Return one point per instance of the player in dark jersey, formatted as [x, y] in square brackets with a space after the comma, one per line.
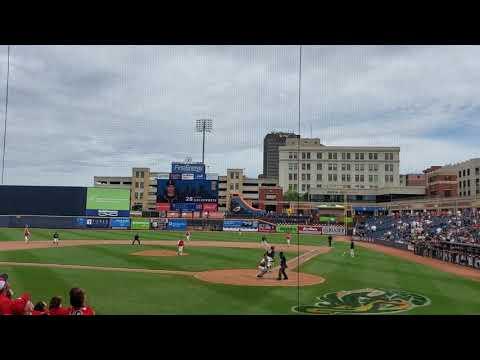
[136, 238]
[283, 266]
[56, 238]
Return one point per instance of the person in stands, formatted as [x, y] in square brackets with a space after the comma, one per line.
[78, 303]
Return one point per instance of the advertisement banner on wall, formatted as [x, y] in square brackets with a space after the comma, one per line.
[328, 219]
[173, 214]
[214, 215]
[186, 207]
[107, 213]
[177, 224]
[306, 229]
[98, 223]
[81, 222]
[209, 207]
[333, 230]
[143, 224]
[120, 223]
[287, 228]
[162, 207]
[158, 223]
[184, 168]
[262, 227]
[240, 225]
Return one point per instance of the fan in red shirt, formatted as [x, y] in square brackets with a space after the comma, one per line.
[40, 309]
[78, 306]
[180, 246]
[22, 305]
[5, 296]
[55, 307]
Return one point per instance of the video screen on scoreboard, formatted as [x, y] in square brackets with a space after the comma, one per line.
[187, 191]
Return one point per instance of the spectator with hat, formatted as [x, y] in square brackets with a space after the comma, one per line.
[5, 296]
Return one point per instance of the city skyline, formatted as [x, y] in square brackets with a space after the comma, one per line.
[80, 111]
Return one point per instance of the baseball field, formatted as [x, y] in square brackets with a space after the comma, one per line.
[217, 275]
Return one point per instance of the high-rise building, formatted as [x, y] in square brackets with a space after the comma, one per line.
[271, 142]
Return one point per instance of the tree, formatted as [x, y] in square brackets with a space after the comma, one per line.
[291, 195]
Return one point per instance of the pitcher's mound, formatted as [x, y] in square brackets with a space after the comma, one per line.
[247, 277]
[157, 253]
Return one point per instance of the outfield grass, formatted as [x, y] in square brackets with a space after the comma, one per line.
[16, 234]
[141, 293]
[198, 259]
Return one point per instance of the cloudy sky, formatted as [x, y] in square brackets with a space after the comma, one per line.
[79, 111]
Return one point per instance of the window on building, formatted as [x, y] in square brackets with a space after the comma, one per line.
[232, 175]
[290, 186]
[290, 155]
[290, 166]
[370, 156]
[141, 185]
[375, 167]
[370, 178]
[304, 177]
[319, 186]
[319, 155]
[349, 167]
[468, 172]
[344, 167]
[460, 184]
[330, 177]
[295, 177]
[464, 172]
[308, 177]
[375, 178]
[304, 156]
[375, 156]
[386, 178]
[141, 196]
[348, 156]
[335, 178]
[237, 175]
[303, 187]
[370, 167]
[386, 167]
[308, 166]
[319, 177]
[468, 192]
[330, 166]
[344, 156]
[237, 186]
[357, 167]
[330, 156]
[357, 178]
[468, 182]
[391, 167]
[308, 156]
[362, 178]
[357, 156]
[464, 183]
[295, 187]
[304, 166]
[231, 186]
[348, 177]
[335, 167]
[459, 174]
[136, 185]
[391, 178]
[362, 167]
[387, 156]
[362, 156]
[290, 177]
[344, 178]
[319, 166]
[477, 171]
[335, 156]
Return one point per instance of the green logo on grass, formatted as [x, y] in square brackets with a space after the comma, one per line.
[364, 301]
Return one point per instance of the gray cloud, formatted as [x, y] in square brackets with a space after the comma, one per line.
[80, 111]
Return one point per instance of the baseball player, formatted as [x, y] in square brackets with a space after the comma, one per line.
[262, 266]
[56, 237]
[352, 249]
[136, 238]
[264, 241]
[270, 258]
[187, 235]
[288, 237]
[180, 246]
[283, 266]
[27, 234]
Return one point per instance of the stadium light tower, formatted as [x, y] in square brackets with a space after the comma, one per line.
[203, 126]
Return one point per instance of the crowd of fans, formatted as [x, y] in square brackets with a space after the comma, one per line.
[9, 305]
[450, 236]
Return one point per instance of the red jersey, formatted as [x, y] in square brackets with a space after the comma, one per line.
[37, 313]
[5, 305]
[58, 312]
[289, 236]
[181, 242]
[84, 311]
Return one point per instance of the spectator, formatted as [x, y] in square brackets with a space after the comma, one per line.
[78, 301]
[22, 305]
[40, 308]
[5, 296]
[55, 307]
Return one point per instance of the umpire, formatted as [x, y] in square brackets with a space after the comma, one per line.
[136, 239]
[329, 240]
[283, 266]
